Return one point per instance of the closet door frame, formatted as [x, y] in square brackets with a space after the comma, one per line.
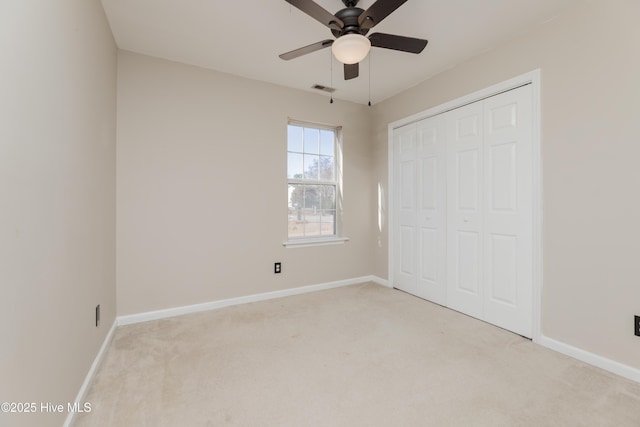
[531, 78]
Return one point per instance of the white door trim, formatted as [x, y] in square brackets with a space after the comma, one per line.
[532, 78]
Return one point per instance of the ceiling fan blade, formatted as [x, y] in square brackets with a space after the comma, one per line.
[377, 12]
[318, 13]
[351, 71]
[307, 49]
[401, 43]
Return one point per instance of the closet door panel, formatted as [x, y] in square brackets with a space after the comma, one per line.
[464, 153]
[508, 296]
[431, 212]
[405, 209]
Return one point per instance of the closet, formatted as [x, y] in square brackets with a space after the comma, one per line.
[463, 209]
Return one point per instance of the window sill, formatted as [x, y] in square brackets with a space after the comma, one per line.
[303, 243]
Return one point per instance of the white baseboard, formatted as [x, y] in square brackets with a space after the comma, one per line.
[178, 311]
[380, 281]
[92, 372]
[591, 358]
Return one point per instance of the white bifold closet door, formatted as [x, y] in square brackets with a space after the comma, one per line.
[463, 208]
[420, 208]
[405, 208]
[508, 210]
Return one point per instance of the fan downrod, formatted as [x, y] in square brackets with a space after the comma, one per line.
[350, 3]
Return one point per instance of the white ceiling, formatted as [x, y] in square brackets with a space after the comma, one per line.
[245, 37]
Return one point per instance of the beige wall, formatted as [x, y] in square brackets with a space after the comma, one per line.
[590, 153]
[201, 187]
[57, 198]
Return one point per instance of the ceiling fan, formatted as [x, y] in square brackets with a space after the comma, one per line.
[349, 26]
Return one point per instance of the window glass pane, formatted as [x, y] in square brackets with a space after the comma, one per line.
[326, 168]
[328, 223]
[312, 198]
[296, 219]
[312, 225]
[312, 210]
[294, 166]
[310, 167]
[327, 144]
[328, 197]
[328, 214]
[311, 141]
[294, 138]
[296, 196]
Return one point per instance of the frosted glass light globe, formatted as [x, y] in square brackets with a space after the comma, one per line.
[351, 48]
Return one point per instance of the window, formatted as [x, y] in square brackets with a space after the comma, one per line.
[313, 190]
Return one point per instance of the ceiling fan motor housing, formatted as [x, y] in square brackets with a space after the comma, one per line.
[349, 16]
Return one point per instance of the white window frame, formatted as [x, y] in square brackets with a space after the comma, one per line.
[337, 238]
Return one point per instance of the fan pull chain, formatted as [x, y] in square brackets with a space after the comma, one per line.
[331, 68]
[369, 78]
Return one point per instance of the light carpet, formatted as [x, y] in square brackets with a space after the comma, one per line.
[361, 355]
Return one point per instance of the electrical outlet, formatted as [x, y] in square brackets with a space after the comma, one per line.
[97, 315]
[636, 322]
[277, 268]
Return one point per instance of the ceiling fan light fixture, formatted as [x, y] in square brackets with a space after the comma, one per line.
[351, 48]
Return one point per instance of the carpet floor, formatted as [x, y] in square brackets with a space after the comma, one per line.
[361, 355]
